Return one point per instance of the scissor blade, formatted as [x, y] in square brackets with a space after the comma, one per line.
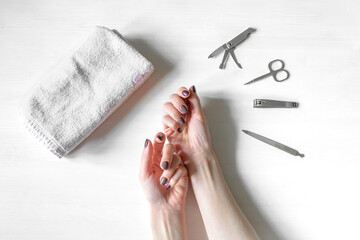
[217, 51]
[274, 143]
[240, 38]
[258, 78]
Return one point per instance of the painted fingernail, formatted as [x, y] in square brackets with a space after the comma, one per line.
[183, 109]
[163, 181]
[181, 121]
[179, 130]
[146, 143]
[185, 93]
[165, 165]
[194, 89]
[167, 186]
[160, 137]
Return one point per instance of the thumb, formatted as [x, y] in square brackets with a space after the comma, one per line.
[194, 101]
[146, 161]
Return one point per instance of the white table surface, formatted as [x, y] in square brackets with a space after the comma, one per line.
[94, 192]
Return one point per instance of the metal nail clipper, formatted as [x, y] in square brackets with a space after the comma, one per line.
[267, 103]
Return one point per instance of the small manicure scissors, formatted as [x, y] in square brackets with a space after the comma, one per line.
[274, 72]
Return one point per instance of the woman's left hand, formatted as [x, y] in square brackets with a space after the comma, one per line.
[163, 176]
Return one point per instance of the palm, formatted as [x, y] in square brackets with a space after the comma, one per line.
[158, 196]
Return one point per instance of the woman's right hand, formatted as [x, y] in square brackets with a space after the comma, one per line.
[186, 128]
[223, 219]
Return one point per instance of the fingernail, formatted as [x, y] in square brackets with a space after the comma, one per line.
[194, 89]
[185, 93]
[165, 165]
[146, 143]
[183, 109]
[160, 137]
[179, 130]
[163, 181]
[167, 187]
[181, 121]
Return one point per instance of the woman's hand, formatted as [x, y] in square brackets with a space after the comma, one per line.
[186, 128]
[163, 177]
[165, 188]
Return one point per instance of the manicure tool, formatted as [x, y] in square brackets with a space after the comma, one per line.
[274, 144]
[229, 47]
[267, 103]
[273, 72]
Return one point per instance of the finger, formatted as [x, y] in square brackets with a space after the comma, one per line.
[159, 141]
[178, 103]
[167, 174]
[174, 113]
[180, 172]
[167, 156]
[194, 101]
[146, 161]
[183, 92]
[168, 132]
[170, 123]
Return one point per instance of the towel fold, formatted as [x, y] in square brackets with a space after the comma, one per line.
[81, 92]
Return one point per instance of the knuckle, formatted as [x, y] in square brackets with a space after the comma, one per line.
[174, 125]
[166, 105]
[184, 169]
[173, 97]
[180, 171]
[164, 118]
[181, 88]
[169, 148]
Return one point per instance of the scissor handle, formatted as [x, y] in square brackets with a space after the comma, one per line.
[275, 72]
[276, 78]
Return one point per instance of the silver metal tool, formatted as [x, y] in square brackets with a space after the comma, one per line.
[229, 47]
[267, 103]
[274, 144]
[274, 72]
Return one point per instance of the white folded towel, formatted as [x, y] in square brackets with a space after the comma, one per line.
[81, 92]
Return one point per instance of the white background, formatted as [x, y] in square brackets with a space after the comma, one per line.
[94, 192]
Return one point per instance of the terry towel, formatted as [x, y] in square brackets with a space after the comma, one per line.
[81, 92]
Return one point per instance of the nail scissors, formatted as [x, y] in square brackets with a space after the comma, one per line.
[273, 72]
[229, 47]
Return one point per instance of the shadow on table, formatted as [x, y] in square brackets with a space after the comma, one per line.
[225, 141]
[162, 68]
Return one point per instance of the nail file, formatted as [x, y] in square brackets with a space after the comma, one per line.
[274, 144]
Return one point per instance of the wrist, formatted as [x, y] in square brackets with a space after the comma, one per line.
[167, 224]
[165, 213]
[204, 167]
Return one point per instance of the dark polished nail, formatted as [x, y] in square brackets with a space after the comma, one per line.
[182, 121]
[165, 165]
[167, 187]
[146, 143]
[160, 137]
[183, 109]
[185, 93]
[163, 181]
[179, 130]
[194, 89]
